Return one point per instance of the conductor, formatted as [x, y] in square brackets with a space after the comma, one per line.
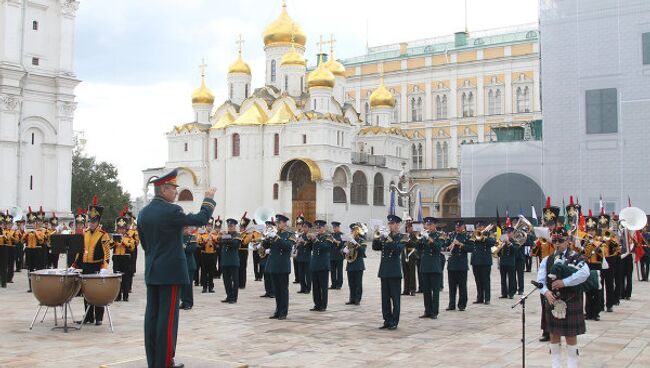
[160, 227]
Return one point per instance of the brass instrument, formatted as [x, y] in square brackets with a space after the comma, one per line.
[497, 248]
[480, 235]
[522, 228]
[607, 235]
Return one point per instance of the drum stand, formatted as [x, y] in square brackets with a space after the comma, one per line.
[108, 312]
[64, 308]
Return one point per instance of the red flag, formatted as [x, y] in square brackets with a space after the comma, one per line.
[581, 222]
[508, 223]
[638, 250]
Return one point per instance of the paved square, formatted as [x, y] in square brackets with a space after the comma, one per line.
[215, 334]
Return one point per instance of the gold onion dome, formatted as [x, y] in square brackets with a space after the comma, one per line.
[281, 30]
[202, 95]
[335, 67]
[381, 97]
[239, 66]
[321, 77]
[292, 58]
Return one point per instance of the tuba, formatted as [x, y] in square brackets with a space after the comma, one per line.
[522, 228]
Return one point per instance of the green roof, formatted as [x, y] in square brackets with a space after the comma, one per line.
[446, 44]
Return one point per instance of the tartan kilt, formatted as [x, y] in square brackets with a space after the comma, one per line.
[573, 324]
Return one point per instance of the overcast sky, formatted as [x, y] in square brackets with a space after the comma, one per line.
[138, 60]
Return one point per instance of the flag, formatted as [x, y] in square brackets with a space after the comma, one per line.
[600, 203]
[498, 225]
[638, 250]
[629, 203]
[508, 223]
[391, 207]
[418, 207]
[581, 222]
[567, 226]
[534, 216]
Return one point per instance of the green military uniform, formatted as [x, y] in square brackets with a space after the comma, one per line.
[355, 268]
[336, 261]
[457, 269]
[187, 293]
[279, 267]
[429, 248]
[507, 256]
[302, 259]
[482, 266]
[160, 227]
[390, 273]
[319, 266]
[230, 263]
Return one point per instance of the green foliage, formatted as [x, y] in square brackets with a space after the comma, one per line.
[89, 178]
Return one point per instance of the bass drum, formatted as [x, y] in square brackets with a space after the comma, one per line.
[54, 287]
[100, 290]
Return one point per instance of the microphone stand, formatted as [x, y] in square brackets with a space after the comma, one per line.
[522, 302]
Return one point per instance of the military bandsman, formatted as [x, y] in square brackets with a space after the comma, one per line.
[243, 249]
[189, 248]
[457, 268]
[123, 246]
[322, 247]
[481, 261]
[391, 243]
[336, 258]
[279, 264]
[409, 259]
[302, 256]
[430, 245]
[354, 252]
[229, 244]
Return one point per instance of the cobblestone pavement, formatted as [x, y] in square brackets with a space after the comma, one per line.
[215, 334]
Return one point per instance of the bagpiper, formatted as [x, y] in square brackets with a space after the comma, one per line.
[542, 249]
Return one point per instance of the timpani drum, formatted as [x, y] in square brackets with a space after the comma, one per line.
[53, 288]
[100, 290]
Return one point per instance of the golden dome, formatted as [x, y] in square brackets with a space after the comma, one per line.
[335, 67]
[202, 95]
[239, 66]
[293, 58]
[381, 97]
[321, 77]
[282, 30]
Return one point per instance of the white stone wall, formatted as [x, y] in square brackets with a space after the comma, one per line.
[592, 45]
[38, 100]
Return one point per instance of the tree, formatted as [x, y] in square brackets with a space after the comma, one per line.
[90, 178]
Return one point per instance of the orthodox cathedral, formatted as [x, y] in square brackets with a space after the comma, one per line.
[293, 145]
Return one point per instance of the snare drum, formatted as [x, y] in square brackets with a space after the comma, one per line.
[100, 290]
[54, 287]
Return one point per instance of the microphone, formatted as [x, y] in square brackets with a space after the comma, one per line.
[538, 285]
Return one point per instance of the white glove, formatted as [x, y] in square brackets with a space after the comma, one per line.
[268, 251]
[104, 271]
[354, 242]
[272, 234]
[258, 246]
[385, 233]
[346, 250]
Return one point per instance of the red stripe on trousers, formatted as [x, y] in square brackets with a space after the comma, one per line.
[170, 327]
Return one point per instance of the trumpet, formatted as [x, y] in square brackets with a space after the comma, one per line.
[607, 235]
[380, 232]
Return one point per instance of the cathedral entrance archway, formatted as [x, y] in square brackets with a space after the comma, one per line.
[303, 174]
[449, 203]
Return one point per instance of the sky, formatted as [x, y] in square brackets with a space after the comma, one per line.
[138, 60]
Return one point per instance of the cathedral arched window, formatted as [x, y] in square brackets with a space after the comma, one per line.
[286, 82]
[438, 107]
[276, 144]
[378, 190]
[497, 102]
[302, 79]
[235, 145]
[445, 155]
[276, 191]
[444, 107]
[338, 195]
[246, 91]
[216, 148]
[185, 196]
[439, 155]
[467, 103]
[230, 91]
[359, 189]
[414, 111]
[272, 70]
[419, 109]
